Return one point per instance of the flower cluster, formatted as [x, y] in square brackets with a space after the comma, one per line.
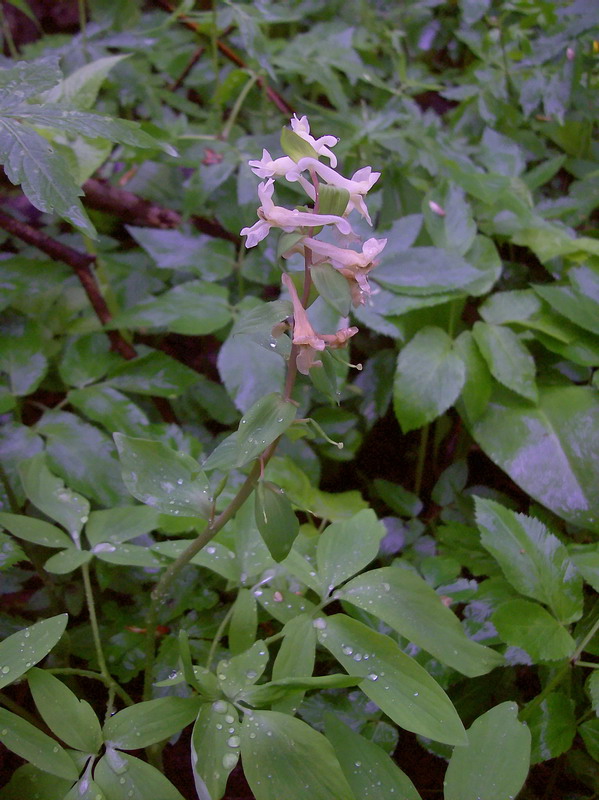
[311, 174]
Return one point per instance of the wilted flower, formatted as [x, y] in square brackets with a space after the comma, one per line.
[305, 337]
[353, 265]
[272, 216]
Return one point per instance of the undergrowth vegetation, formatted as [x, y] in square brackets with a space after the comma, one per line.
[302, 503]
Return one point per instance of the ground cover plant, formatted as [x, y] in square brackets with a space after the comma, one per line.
[302, 501]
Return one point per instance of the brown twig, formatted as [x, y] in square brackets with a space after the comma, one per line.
[198, 53]
[81, 265]
[135, 210]
[272, 95]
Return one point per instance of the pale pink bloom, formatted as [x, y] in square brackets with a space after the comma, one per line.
[305, 337]
[272, 216]
[358, 185]
[436, 208]
[353, 265]
[321, 145]
[268, 167]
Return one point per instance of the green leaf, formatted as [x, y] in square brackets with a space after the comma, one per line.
[136, 780]
[265, 421]
[22, 358]
[67, 561]
[71, 719]
[248, 371]
[169, 481]
[400, 500]
[572, 304]
[295, 658]
[429, 378]
[112, 409]
[345, 548]
[23, 6]
[367, 768]
[185, 250]
[236, 673]
[128, 555]
[477, 388]
[34, 530]
[287, 758]
[494, 764]
[34, 746]
[21, 650]
[530, 627]
[81, 87]
[275, 519]
[455, 229]
[86, 359]
[244, 622]
[422, 271]
[214, 748]
[332, 200]
[587, 563]
[194, 308]
[150, 722]
[590, 736]
[508, 359]
[286, 689]
[117, 525]
[215, 556]
[552, 726]
[29, 781]
[402, 599]
[533, 560]
[153, 373]
[333, 287]
[48, 494]
[395, 682]
[549, 451]
[294, 146]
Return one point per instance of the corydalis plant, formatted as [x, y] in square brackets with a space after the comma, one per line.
[329, 192]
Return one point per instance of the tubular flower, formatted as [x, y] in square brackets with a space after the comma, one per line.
[272, 216]
[268, 167]
[321, 145]
[352, 265]
[358, 185]
[305, 337]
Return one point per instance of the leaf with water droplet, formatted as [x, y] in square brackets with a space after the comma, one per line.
[141, 781]
[265, 421]
[27, 647]
[152, 471]
[38, 748]
[275, 519]
[212, 757]
[150, 722]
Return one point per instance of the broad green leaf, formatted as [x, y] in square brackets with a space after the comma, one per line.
[117, 525]
[28, 78]
[477, 388]
[71, 719]
[235, 673]
[587, 563]
[21, 650]
[275, 519]
[572, 304]
[333, 287]
[258, 322]
[265, 421]
[85, 789]
[251, 553]
[86, 359]
[10, 552]
[225, 455]
[214, 748]
[128, 555]
[83, 456]
[109, 407]
[81, 87]
[494, 764]
[136, 781]
[507, 358]
[552, 726]
[367, 768]
[244, 622]
[345, 548]
[283, 605]
[34, 530]
[530, 627]
[49, 494]
[429, 378]
[533, 560]
[399, 499]
[184, 250]
[453, 230]
[592, 687]
[31, 782]
[38, 748]
[22, 358]
[548, 450]
[150, 722]
[295, 658]
[169, 481]
[153, 373]
[286, 758]
[294, 146]
[248, 371]
[67, 561]
[402, 599]
[194, 308]
[214, 556]
[287, 688]
[590, 736]
[422, 271]
[393, 680]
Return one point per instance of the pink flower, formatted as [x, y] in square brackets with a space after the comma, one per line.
[268, 167]
[321, 145]
[305, 337]
[353, 265]
[272, 216]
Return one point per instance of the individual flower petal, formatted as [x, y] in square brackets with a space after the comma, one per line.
[268, 167]
[353, 265]
[302, 128]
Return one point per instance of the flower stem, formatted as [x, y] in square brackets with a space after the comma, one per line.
[109, 682]
[421, 459]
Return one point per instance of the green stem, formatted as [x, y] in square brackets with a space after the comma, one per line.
[82, 21]
[421, 459]
[237, 106]
[219, 635]
[12, 498]
[580, 649]
[590, 664]
[109, 682]
[8, 34]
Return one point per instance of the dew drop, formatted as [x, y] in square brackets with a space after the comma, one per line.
[229, 719]
[5, 670]
[347, 650]
[211, 550]
[373, 677]
[233, 741]
[229, 760]
[220, 706]
[320, 623]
